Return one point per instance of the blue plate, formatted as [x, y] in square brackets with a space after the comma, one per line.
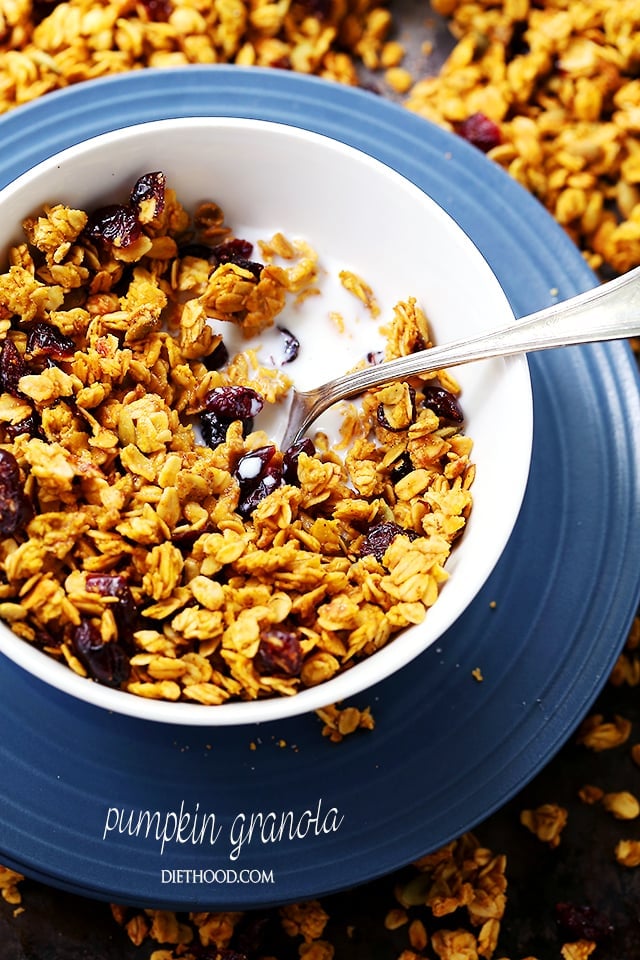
[154, 815]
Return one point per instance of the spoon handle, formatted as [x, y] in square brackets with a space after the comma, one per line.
[610, 311]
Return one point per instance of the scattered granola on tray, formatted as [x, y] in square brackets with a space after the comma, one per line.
[152, 536]
[548, 90]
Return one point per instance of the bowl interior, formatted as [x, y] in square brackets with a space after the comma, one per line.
[358, 215]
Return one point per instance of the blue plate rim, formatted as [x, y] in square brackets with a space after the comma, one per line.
[536, 262]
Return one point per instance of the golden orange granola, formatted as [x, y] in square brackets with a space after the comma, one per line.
[559, 81]
[152, 538]
[10, 881]
[598, 734]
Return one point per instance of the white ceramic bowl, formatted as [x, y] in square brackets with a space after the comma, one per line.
[358, 214]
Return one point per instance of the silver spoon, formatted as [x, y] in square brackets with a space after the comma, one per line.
[610, 311]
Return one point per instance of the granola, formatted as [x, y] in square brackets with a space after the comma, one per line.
[152, 537]
[547, 822]
[558, 82]
[557, 79]
[461, 874]
[598, 734]
[622, 805]
[9, 885]
[80, 40]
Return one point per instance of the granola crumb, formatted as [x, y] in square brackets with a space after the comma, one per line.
[546, 822]
[396, 918]
[627, 853]
[622, 805]
[590, 794]
[398, 79]
[580, 950]
[599, 734]
[10, 881]
[340, 722]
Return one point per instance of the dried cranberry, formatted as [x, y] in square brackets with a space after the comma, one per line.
[45, 638]
[228, 250]
[402, 466]
[270, 481]
[213, 429]
[239, 252]
[115, 223]
[480, 131]
[381, 536]
[418, 343]
[185, 537]
[291, 345]
[105, 662]
[291, 457]
[224, 405]
[252, 266]
[42, 8]
[518, 44]
[45, 340]
[217, 358]
[259, 473]
[318, 8]
[157, 10]
[124, 611]
[281, 63]
[200, 250]
[442, 402]
[15, 506]
[234, 402]
[280, 651]
[252, 465]
[31, 425]
[12, 367]
[149, 188]
[583, 922]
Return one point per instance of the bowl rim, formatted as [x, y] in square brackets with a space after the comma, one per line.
[384, 662]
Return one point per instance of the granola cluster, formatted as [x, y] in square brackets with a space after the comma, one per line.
[10, 881]
[151, 536]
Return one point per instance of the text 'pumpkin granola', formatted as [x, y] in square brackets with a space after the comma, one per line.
[151, 537]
